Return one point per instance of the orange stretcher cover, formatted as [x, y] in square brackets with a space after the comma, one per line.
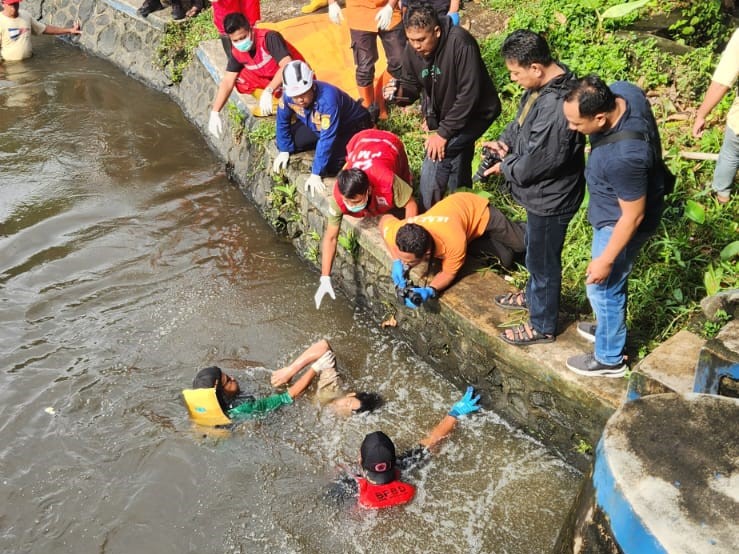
[326, 47]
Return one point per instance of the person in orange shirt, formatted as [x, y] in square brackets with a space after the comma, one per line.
[444, 232]
[368, 19]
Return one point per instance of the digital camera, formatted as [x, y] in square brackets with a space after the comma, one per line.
[407, 292]
[489, 159]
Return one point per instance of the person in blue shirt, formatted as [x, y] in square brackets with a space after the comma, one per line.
[314, 114]
[626, 180]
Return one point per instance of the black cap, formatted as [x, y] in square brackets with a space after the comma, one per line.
[207, 378]
[378, 457]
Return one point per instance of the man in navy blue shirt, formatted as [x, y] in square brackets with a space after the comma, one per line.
[625, 178]
[326, 118]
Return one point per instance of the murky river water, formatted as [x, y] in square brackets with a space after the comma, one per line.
[127, 262]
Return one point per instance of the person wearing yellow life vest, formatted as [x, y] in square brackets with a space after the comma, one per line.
[368, 20]
[380, 485]
[375, 180]
[254, 67]
[217, 399]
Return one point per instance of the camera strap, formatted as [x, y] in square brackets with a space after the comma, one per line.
[669, 177]
[530, 101]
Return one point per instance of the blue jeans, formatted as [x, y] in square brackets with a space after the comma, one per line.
[727, 164]
[608, 299]
[545, 236]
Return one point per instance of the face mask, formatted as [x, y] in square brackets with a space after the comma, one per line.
[244, 45]
[357, 208]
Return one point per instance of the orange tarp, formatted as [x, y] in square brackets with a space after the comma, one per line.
[326, 47]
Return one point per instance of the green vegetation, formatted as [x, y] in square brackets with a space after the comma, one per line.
[582, 446]
[694, 253]
[175, 51]
[262, 134]
[349, 242]
[713, 326]
[283, 199]
[237, 119]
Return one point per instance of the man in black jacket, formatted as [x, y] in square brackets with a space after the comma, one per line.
[442, 64]
[543, 163]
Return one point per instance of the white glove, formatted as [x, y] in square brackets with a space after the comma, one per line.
[334, 13]
[215, 127]
[324, 289]
[265, 102]
[327, 361]
[314, 184]
[280, 162]
[383, 17]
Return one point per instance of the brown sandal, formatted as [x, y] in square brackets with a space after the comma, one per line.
[524, 335]
[512, 301]
[193, 11]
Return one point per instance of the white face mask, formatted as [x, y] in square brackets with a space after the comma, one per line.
[244, 45]
[357, 207]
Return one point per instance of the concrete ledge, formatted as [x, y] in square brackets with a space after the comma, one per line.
[667, 475]
[669, 368]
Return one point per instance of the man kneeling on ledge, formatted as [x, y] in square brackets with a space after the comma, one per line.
[445, 232]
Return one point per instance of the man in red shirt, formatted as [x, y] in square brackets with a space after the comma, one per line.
[255, 67]
[375, 179]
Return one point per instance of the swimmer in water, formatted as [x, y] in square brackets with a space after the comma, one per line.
[380, 484]
[319, 358]
[340, 402]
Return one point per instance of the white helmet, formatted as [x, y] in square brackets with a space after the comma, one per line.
[297, 78]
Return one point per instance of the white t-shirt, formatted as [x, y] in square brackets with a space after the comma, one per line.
[15, 35]
[726, 74]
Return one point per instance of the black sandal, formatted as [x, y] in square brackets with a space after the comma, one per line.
[524, 335]
[512, 301]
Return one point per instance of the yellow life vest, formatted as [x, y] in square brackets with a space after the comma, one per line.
[203, 406]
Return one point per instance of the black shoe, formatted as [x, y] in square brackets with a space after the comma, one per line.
[178, 12]
[149, 6]
[586, 329]
[586, 364]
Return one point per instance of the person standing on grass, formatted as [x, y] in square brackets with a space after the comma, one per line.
[728, 159]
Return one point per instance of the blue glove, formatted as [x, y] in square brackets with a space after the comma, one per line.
[398, 274]
[424, 292]
[466, 405]
[454, 16]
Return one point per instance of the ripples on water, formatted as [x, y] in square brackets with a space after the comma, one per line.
[127, 262]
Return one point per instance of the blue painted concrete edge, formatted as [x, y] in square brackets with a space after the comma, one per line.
[131, 11]
[709, 372]
[627, 528]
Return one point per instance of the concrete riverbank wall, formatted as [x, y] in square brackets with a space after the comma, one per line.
[459, 334]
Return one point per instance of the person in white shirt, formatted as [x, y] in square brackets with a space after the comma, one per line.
[16, 28]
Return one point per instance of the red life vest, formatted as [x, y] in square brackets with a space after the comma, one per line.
[381, 155]
[259, 70]
[383, 496]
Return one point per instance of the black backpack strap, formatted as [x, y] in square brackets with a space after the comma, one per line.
[620, 135]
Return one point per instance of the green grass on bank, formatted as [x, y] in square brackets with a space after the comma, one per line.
[176, 49]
